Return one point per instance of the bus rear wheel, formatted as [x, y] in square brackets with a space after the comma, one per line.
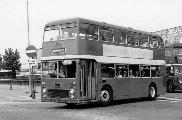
[152, 92]
[170, 87]
[106, 96]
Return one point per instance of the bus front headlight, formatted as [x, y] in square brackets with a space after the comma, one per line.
[44, 90]
[72, 90]
[43, 83]
[72, 96]
[44, 95]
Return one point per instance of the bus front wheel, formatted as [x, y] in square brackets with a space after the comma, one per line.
[152, 92]
[106, 96]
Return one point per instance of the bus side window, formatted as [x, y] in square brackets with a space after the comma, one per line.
[121, 71]
[134, 71]
[155, 71]
[107, 71]
[118, 73]
[145, 71]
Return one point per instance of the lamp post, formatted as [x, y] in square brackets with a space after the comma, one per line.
[28, 23]
[31, 52]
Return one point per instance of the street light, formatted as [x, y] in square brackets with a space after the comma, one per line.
[31, 52]
[28, 23]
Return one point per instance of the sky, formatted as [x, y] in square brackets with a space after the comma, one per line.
[145, 15]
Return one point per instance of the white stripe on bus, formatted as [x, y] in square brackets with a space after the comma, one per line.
[109, 59]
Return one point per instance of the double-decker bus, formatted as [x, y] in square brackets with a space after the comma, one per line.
[173, 77]
[173, 67]
[86, 61]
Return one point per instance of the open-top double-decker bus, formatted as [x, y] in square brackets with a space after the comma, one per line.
[88, 61]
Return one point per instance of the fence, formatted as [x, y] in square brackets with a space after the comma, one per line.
[18, 82]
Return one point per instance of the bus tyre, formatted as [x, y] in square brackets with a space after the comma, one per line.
[170, 87]
[106, 96]
[152, 92]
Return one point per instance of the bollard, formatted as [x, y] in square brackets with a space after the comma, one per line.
[33, 94]
[10, 84]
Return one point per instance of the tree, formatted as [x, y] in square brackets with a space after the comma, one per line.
[1, 62]
[11, 60]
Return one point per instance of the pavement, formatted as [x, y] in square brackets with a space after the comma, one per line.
[19, 93]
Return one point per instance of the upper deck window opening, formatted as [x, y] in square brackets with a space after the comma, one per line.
[88, 31]
[106, 34]
[60, 32]
[144, 41]
[136, 39]
[130, 39]
[116, 35]
[154, 42]
[119, 36]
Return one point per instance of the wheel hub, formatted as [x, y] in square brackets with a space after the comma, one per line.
[152, 92]
[105, 95]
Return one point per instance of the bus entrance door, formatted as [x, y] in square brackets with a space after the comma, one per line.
[88, 80]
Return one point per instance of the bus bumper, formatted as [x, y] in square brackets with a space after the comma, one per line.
[75, 101]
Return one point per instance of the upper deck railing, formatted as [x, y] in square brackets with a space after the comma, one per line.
[99, 31]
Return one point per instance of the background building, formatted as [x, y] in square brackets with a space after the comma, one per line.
[173, 53]
[173, 44]
[172, 35]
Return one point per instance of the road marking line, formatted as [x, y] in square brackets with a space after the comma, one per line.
[174, 101]
[171, 99]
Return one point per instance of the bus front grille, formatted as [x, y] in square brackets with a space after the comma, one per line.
[53, 93]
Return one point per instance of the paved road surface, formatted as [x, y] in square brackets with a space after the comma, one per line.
[14, 107]
[164, 108]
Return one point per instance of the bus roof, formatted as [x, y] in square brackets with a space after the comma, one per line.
[77, 19]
